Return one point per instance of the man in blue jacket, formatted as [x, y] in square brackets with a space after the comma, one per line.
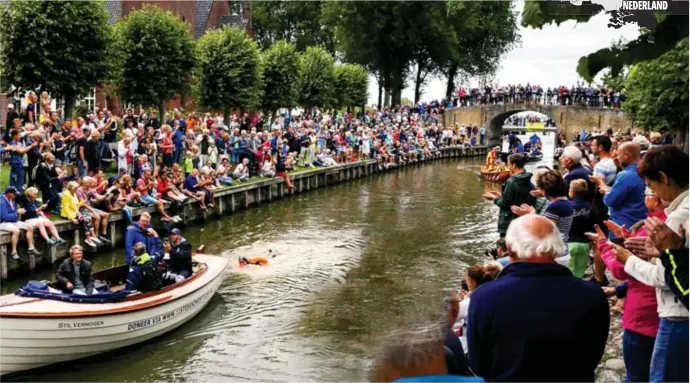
[144, 233]
[9, 222]
[536, 322]
[625, 198]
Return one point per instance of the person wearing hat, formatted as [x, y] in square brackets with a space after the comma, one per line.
[178, 257]
[9, 222]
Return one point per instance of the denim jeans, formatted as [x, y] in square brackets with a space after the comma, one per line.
[637, 354]
[127, 212]
[17, 176]
[670, 356]
[81, 168]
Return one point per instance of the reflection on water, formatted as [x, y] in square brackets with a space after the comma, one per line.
[357, 262]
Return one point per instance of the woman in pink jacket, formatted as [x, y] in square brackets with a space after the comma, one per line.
[640, 316]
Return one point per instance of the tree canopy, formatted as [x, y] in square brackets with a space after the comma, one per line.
[351, 84]
[298, 22]
[229, 70]
[280, 64]
[657, 92]
[315, 78]
[157, 56]
[666, 29]
[449, 37]
[59, 46]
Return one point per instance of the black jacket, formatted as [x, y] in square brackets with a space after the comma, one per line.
[537, 323]
[66, 274]
[180, 257]
[676, 272]
[46, 177]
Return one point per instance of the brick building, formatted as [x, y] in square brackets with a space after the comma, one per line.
[200, 16]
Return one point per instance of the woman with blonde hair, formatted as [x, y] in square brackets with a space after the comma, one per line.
[70, 211]
[34, 216]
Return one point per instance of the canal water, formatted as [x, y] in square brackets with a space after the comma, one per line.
[358, 262]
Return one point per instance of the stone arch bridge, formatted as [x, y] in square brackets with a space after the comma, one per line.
[569, 118]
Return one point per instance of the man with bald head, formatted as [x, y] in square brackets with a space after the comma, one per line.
[625, 198]
[536, 321]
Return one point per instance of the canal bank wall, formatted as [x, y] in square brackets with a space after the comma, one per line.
[228, 200]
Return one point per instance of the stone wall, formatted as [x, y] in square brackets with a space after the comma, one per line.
[228, 201]
[569, 118]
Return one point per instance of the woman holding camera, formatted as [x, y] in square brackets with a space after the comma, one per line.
[476, 276]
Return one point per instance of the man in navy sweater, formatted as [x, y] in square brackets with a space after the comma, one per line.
[536, 321]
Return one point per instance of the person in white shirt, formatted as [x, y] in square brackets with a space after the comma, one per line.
[605, 167]
[241, 172]
[476, 276]
[268, 169]
[124, 150]
[665, 170]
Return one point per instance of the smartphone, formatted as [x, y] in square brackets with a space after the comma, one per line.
[464, 286]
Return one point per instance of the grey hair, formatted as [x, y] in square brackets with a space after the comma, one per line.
[407, 351]
[573, 153]
[75, 247]
[538, 173]
[524, 244]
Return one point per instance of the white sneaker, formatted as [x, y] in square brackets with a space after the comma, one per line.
[177, 218]
[95, 240]
[89, 242]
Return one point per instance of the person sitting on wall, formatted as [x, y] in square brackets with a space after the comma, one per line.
[74, 274]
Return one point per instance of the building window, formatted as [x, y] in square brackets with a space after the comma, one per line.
[89, 102]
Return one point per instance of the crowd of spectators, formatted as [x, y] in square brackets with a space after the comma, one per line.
[579, 94]
[619, 208]
[530, 315]
[98, 164]
[522, 120]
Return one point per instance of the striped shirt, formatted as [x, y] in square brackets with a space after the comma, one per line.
[607, 169]
[561, 211]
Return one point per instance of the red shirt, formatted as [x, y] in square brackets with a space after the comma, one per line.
[162, 187]
[167, 141]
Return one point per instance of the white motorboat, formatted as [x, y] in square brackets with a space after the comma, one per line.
[36, 332]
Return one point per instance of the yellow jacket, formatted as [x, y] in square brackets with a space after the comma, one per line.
[70, 205]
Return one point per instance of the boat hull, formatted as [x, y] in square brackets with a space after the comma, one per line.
[30, 343]
[495, 176]
[534, 158]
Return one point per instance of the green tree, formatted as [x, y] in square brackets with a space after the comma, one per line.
[670, 27]
[376, 35]
[229, 71]
[351, 85]
[281, 76]
[433, 42]
[59, 46]
[315, 78]
[657, 93]
[482, 33]
[157, 54]
[298, 22]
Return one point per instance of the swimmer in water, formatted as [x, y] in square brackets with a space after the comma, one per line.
[259, 261]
